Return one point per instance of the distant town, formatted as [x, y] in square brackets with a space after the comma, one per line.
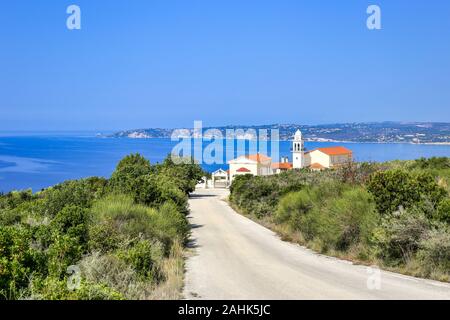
[374, 132]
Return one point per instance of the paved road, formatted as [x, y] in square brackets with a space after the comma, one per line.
[236, 258]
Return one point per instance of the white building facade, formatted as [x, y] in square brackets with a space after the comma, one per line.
[256, 164]
[298, 151]
[321, 158]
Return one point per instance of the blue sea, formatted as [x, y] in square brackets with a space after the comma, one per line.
[37, 161]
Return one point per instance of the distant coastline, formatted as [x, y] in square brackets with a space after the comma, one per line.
[308, 140]
[433, 133]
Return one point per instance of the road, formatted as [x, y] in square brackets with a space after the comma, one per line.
[235, 258]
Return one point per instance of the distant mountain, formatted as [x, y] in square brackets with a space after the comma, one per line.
[382, 132]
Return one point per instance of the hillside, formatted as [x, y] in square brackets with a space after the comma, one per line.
[380, 132]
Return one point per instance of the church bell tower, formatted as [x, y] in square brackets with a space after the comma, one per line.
[298, 151]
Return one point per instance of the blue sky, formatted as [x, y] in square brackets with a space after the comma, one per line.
[167, 63]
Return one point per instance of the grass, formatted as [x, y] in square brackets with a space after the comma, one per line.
[173, 268]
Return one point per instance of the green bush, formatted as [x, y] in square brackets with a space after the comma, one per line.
[397, 188]
[334, 215]
[185, 171]
[80, 193]
[434, 250]
[443, 211]
[15, 198]
[381, 213]
[119, 220]
[124, 179]
[171, 225]
[17, 260]
[399, 236]
[116, 275]
[168, 191]
[353, 217]
[71, 220]
[122, 233]
[63, 252]
[145, 257]
[294, 205]
[51, 288]
[432, 163]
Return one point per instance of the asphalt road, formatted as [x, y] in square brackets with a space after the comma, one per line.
[233, 257]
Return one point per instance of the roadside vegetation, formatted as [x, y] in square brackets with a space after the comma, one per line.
[394, 214]
[95, 238]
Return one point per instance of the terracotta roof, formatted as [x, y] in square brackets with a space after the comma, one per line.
[335, 151]
[316, 165]
[242, 170]
[258, 157]
[282, 165]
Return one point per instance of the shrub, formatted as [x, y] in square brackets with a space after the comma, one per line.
[354, 216]
[15, 198]
[432, 163]
[17, 260]
[146, 191]
[117, 220]
[52, 288]
[80, 193]
[185, 171]
[169, 192]
[125, 178]
[145, 257]
[116, 275]
[356, 172]
[71, 220]
[294, 205]
[434, 250]
[63, 252]
[170, 224]
[443, 211]
[397, 188]
[125, 247]
[400, 234]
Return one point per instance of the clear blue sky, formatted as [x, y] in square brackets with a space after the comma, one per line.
[140, 63]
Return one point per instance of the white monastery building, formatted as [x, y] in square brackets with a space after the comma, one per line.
[255, 164]
[262, 165]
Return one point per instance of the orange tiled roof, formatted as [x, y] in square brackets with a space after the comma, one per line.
[242, 170]
[316, 165]
[282, 165]
[258, 157]
[335, 151]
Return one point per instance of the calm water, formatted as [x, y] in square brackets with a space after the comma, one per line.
[40, 161]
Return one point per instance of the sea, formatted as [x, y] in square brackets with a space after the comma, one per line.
[39, 160]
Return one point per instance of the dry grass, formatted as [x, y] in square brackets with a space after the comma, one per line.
[111, 271]
[173, 269]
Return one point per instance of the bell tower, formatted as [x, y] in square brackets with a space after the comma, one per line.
[298, 151]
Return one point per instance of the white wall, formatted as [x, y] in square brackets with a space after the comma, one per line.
[253, 167]
[318, 156]
[256, 169]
